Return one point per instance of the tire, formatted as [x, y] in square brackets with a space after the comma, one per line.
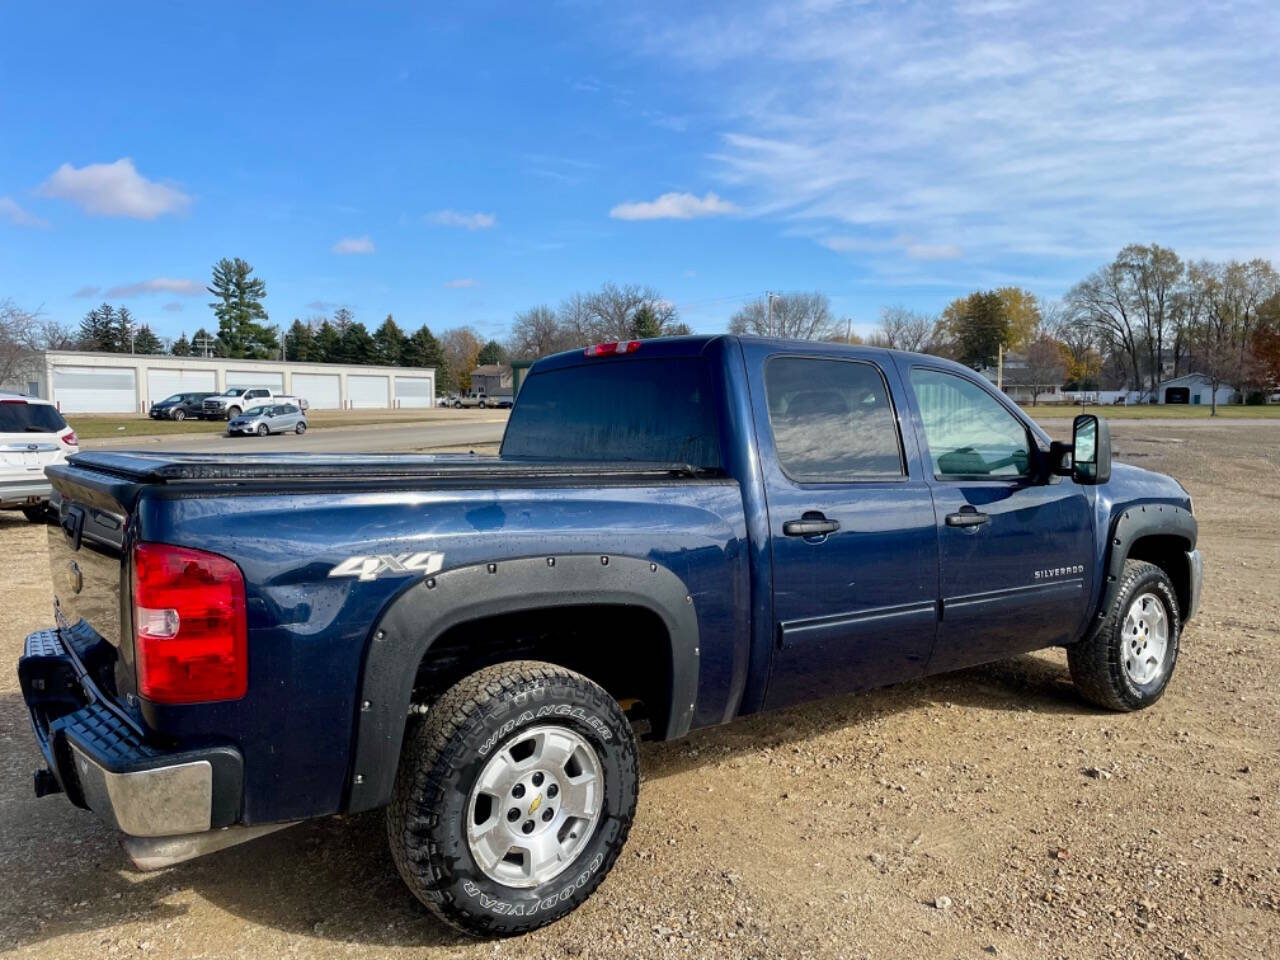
[482, 405]
[179, 415]
[263, 430]
[457, 405]
[300, 429]
[233, 412]
[500, 712]
[38, 514]
[1117, 667]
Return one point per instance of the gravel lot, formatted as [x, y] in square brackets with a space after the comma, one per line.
[985, 812]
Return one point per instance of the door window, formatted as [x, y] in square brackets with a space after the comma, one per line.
[832, 420]
[969, 432]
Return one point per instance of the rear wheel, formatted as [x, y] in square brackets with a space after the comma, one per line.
[457, 404]
[300, 428]
[513, 798]
[263, 430]
[1127, 664]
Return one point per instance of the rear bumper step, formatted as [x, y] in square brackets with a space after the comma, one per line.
[106, 765]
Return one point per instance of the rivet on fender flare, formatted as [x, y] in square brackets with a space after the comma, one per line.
[359, 779]
[688, 599]
[380, 635]
[366, 706]
[492, 568]
[551, 561]
[431, 583]
[653, 568]
[604, 561]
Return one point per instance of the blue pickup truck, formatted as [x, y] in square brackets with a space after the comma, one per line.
[676, 533]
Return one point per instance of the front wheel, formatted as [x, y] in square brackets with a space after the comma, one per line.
[263, 430]
[179, 415]
[1127, 663]
[233, 413]
[513, 798]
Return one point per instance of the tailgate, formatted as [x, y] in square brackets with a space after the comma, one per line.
[86, 547]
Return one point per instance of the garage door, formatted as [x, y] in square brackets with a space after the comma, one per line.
[95, 389]
[320, 390]
[367, 392]
[249, 378]
[414, 391]
[165, 383]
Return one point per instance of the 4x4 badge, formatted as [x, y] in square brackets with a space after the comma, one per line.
[370, 568]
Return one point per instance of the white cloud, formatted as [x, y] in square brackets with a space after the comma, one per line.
[461, 282]
[992, 131]
[86, 291]
[12, 211]
[186, 288]
[114, 190]
[354, 245]
[468, 221]
[673, 206]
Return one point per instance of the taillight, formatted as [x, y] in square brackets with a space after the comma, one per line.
[69, 438]
[189, 625]
[609, 349]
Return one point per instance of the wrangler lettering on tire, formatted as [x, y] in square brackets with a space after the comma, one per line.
[513, 798]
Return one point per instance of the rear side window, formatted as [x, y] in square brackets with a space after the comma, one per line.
[831, 420]
[18, 416]
[645, 410]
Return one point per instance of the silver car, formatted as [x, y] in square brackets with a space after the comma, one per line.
[268, 418]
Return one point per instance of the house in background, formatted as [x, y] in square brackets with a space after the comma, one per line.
[1017, 381]
[493, 380]
[1195, 389]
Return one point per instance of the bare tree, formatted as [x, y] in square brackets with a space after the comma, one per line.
[903, 329]
[1105, 301]
[20, 342]
[794, 316]
[1043, 365]
[613, 310]
[537, 332]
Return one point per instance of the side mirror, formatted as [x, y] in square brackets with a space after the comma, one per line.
[1090, 450]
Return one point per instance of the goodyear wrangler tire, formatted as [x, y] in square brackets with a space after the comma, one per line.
[513, 798]
[1127, 663]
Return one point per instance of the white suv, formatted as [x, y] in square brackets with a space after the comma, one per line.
[32, 436]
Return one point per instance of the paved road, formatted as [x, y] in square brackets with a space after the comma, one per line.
[382, 438]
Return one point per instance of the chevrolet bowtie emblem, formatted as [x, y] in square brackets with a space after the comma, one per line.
[533, 807]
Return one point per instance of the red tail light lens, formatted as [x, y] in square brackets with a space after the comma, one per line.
[609, 349]
[189, 625]
[69, 438]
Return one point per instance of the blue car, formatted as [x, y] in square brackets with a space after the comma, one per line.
[676, 533]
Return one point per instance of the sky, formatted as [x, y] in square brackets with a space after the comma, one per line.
[455, 166]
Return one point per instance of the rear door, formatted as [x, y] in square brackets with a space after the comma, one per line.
[1015, 550]
[852, 532]
[30, 440]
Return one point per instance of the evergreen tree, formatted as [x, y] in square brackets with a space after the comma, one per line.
[298, 342]
[356, 346]
[181, 346]
[124, 331]
[97, 329]
[325, 343]
[423, 350]
[146, 341]
[389, 343]
[239, 309]
[342, 320]
[645, 324]
[491, 352]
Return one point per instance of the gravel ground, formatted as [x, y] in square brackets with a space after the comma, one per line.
[986, 812]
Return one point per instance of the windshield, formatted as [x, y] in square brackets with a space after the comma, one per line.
[18, 416]
[257, 411]
[176, 398]
[235, 391]
[656, 410]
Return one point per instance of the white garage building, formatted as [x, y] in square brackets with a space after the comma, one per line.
[81, 382]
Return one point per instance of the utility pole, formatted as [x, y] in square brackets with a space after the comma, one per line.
[1000, 366]
[769, 325]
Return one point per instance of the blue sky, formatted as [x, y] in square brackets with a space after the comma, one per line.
[455, 167]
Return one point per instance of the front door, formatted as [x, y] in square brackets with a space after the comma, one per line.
[1015, 549]
[852, 533]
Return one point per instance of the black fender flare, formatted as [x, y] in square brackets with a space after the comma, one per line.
[1134, 523]
[419, 615]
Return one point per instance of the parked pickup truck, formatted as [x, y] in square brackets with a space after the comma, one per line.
[225, 406]
[676, 533]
